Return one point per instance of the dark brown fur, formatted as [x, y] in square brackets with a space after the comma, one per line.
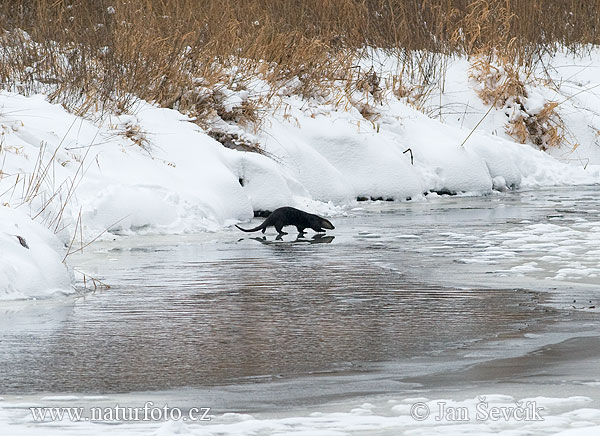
[289, 216]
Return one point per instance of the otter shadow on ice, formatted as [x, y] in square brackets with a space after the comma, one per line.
[301, 239]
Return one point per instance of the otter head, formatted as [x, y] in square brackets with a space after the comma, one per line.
[326, 224]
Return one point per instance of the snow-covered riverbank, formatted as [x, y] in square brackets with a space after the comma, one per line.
[156, 171]
[30, 259]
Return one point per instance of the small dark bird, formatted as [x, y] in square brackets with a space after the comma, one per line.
[289, 216]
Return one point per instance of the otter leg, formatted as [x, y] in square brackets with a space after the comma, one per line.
[279, 228]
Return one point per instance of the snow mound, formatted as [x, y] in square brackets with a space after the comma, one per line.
[30, 259]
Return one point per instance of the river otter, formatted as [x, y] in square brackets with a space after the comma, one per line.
[289, 216]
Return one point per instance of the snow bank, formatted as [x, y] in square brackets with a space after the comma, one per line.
[338, 156]
[158, 172]
[489, 414]
[30, 259]
[569, 80]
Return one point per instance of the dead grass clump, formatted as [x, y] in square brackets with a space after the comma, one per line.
[245, 113]
[501, 84]
[235, 142]
[135, 134]
[544, 129]
[369, 84]
[497, 84]
[416, 95]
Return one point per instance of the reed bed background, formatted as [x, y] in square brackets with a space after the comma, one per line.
[103, 54]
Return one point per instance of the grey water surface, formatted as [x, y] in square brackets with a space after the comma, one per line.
[386, 302]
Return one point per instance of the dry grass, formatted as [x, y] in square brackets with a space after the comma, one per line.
[502, 85]
[104, 54]
[135, 134]
[497, 83]
[544, 129]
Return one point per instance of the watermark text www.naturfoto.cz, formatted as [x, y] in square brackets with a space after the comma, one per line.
[482, 411]
[147, 412]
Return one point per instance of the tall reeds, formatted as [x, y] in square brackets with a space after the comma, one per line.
[90, 54]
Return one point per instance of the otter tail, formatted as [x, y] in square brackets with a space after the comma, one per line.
[260, 227]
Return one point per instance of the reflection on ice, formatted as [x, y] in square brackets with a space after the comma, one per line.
[317, 238]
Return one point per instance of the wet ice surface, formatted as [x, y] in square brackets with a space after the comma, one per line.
[238, 311]
[541, 240]
[449, 298]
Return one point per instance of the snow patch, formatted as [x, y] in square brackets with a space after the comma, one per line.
[30, 259]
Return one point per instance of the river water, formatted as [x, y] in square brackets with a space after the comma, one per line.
[449, 294]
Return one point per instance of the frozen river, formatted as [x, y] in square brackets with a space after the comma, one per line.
[452, 297]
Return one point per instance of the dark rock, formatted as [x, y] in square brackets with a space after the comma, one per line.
[22, 241]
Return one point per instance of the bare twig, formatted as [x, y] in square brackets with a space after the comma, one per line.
[409, 150]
